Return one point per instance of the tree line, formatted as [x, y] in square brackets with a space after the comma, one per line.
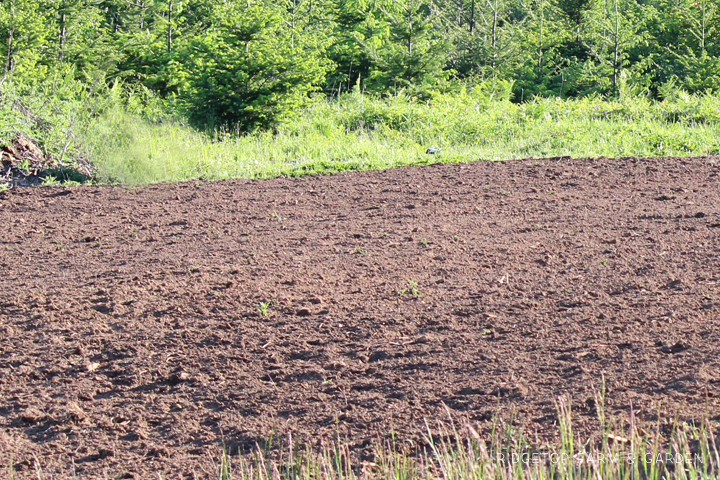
[248, 63]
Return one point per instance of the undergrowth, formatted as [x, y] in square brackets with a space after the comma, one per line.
[130, 136]
[360, 132]
[627, 450]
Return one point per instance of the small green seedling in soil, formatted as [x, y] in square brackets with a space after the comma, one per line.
[264, 308]
[24, 166]
[50, 181]
[413, 290]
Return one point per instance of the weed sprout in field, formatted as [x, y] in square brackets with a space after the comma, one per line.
[264, 308]
[412, 288]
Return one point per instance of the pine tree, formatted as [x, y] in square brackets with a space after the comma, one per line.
[613, 28]
[407, 46]
[249, 69]
[81, 39]
[488, 43]
[23, 32]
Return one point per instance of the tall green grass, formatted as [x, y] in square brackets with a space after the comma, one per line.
[360, 132]
[623, 451]
[131, 136]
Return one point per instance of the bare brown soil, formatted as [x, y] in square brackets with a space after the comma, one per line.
[134, 343]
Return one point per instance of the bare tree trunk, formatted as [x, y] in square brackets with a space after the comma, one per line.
[10, 40]
[63, 36]
[292, 24]
[472, 17]
[616, 47]
[349, 87]
[169, 32]
[540, 38]
[494, 36]
[9, 59]
[703, 27]
[410, 30]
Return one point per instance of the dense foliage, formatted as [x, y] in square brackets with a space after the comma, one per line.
[243, 64]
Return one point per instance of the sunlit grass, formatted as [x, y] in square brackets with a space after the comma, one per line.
[357, 132]
[452, 451]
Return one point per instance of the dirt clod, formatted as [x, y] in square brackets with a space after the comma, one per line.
[676, 348]
[32, 415]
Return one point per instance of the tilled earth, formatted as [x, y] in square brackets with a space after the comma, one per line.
[143, 328]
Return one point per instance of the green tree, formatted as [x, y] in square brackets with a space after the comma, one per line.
[613, 29]
[150, 33]
[406, 46]
[23, 34]
[540, 62]
[350, 26]
[249, 69]
[688, 48]
[488, 42]
[82, 39]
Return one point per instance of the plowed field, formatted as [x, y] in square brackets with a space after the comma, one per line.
[143, 327]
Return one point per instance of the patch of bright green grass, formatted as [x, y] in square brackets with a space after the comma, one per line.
[357, 132]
